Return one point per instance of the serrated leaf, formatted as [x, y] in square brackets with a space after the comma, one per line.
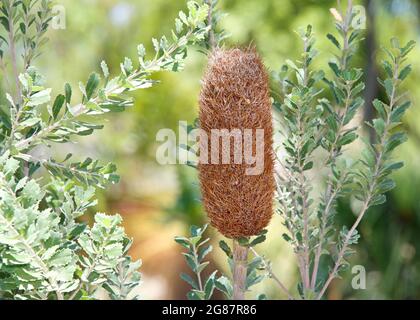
[128, 65]
[156, 45]
[259, 239]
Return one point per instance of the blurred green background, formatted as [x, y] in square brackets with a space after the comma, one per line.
[159, 202]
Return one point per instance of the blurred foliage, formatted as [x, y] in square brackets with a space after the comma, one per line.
[97, 29]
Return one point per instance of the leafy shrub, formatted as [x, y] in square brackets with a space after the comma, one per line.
[317, 113]
[45, 251]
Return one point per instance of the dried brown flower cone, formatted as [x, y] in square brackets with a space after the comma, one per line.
[235, 95]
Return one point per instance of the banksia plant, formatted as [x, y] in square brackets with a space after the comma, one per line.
[319, 130]
[235, 96]
[315, 165]
[235, 104]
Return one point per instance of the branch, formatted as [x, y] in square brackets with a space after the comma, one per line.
[240, 267]
[271, 274]
[373, 184]
[81, 109]
[322, 231]
[212, 39]
[87, 172]
[5, 73]
[13, 55]
[331, 194]
[302, 179]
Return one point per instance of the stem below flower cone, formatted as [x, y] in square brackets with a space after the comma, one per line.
[240, 268]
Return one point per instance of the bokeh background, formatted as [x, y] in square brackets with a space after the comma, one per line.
[159, 202]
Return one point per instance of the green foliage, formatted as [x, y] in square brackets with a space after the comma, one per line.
[217, 34]
[198, 248]
[303, 124]
[318, 116]
[377, 164]
[317, 120]
[250, 242]
[45, 252]
[99, 97]
[254, 265]
[194, 258]
[202, 289]
[318, 111]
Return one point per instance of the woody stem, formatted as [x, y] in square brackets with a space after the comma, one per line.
[240, 266]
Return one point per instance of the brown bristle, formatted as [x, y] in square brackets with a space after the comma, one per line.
[235, 95]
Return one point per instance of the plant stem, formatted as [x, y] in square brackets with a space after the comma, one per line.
[321, 238]
[6, 78]
[13, 55]
[271, 274]
[212, 40]
[331, 194]
[302, 178]
[240, 268]
[372, 187]
[80, 109]
[289, 225]
[330, 197]
[200, 282]
[70, 168]
[344, 248]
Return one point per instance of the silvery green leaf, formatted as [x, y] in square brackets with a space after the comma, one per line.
[105, 69]
[39, 98]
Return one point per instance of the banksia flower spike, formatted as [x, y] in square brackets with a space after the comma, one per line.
[237, 193]
[235, 95]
